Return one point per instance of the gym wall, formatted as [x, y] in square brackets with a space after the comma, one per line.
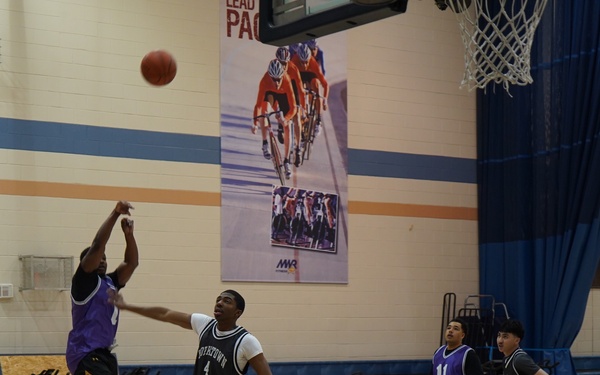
[80, 129]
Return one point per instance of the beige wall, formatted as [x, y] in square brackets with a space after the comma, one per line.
[588, 340]
[77, 62]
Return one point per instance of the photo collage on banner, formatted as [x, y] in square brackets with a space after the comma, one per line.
[284, 164]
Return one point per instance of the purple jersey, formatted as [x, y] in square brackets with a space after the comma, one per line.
[95, 323]
[452, 363]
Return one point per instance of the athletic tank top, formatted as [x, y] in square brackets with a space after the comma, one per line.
[451, 364]
[95, 323]
[217, 354]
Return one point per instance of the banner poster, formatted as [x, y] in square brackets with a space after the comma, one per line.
[281, 225]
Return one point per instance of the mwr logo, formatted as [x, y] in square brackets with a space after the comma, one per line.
[287, 265]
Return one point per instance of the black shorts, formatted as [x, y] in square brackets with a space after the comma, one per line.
[307, 77]
[98, 362]
[281, 99]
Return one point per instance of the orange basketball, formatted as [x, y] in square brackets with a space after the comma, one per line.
[158, 67]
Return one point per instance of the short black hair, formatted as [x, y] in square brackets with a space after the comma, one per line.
[85, 251]
[239, 300]
[513, 326]
[463, 324]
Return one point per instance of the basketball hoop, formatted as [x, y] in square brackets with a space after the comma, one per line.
[498, 36]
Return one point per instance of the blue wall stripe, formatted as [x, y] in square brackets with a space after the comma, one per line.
[113, 142]
[411, 166]
[44, 136]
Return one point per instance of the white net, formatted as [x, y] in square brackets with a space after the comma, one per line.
[498, 35]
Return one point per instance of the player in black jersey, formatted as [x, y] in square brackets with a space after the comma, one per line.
[225, 348]
[516, 361]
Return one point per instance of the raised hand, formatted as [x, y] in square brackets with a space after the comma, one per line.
[123, 208]
[127, 225]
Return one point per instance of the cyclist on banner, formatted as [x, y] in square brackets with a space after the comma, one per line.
[288, 204]
[283, 55]
[299, 223]
[330, 210]
[275, 90]
[317, 53]
[313, 79]
[322, 225]
[294, 48]
[278, 221]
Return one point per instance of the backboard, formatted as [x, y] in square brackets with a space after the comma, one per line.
[284, 22]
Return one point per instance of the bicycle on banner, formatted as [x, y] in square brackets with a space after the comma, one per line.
[309, 128]
[273, 153]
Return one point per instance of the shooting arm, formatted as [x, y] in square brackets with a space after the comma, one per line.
[131, 258]
[91, 260]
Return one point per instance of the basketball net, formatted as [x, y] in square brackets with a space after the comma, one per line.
[497, 36]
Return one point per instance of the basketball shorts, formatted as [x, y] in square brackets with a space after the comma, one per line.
[98, 362]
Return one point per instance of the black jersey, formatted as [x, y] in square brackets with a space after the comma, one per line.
[217, 354]
[519, 363]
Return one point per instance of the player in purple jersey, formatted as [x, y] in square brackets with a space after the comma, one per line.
[225, 348]
[95, 320]
[455, 358]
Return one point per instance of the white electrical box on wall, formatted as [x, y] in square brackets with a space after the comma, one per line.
[6, 291]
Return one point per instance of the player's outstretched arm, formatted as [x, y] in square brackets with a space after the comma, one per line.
[260, 365]
[131, 258]
[162, 314]
[93, 257]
